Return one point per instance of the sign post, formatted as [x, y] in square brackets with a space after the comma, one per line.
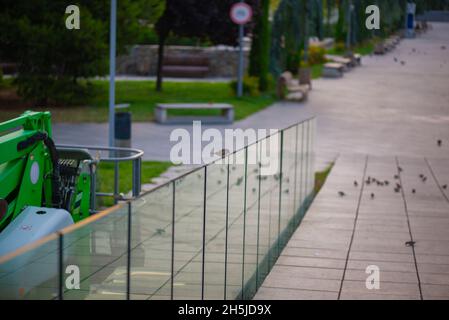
[241, 14]
[410, 20]
[112, 43]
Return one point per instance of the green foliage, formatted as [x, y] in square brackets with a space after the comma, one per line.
[260, 47]
[142, 104]
[105, 177]
[206, 20]
[250, 86]
[51, 59]
[316, 55]
[286, 37]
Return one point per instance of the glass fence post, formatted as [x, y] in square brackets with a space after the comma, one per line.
[173, 241]
[244, 221]
[226, 233]
[258, 223]
[128, 262]
[280, 193]
[61, 266]
[204, 233]
[295, 202]
[307, 166]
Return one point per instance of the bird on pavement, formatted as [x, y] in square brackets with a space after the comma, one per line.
[341, 193]
[410, 243]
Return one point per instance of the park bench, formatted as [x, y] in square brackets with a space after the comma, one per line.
[346, 62]
[185, 66]
[333, 70]
[356, 59]
[290, 89]
[226, 117]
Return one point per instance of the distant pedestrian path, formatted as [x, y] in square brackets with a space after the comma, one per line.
[384, 209]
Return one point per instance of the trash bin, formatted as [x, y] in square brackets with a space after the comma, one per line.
[123, 129]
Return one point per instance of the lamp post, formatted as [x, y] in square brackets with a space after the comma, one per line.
[112, 46]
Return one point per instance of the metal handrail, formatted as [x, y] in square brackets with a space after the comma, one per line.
[136, 158]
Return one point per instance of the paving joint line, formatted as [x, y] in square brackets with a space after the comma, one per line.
[409, 228]
[362, 186]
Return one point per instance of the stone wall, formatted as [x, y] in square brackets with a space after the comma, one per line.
[142, 59]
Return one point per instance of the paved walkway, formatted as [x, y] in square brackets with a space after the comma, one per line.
[384, 120]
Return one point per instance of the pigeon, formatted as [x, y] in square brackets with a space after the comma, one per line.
[356, 184]
[387, 182]
[439, 142]
[400, 169]
[372, 195]
[396, 176]
[443, 47]
[403, 63]
[421, 176]
[254, 190]
[341, 193]
[286, 191]
[444, 186]
[396, 190]
[413, 191]
[239, 181]
[410, 243]
[160, 231]
[424, 179]
[218, 181]
[395, 59]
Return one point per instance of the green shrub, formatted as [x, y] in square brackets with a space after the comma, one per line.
[339, 47]
[316, 55]
[250, 86]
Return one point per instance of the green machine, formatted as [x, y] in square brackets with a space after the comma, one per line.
[42, 189]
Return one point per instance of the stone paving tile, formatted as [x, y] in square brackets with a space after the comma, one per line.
[298, 281]
[314, 262]
[388, 288]
[385, 276]
[318, 253]
[431, 291]
[379, 256]
[383, 265]
[265, 293]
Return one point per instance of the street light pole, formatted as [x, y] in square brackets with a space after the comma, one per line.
[241, 60]
[349, 35]
[112, 50]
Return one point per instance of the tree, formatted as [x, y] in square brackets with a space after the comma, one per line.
[260, 46]
[203, 19]
[51, 58]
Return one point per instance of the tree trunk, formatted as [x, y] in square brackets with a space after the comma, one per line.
[160, 61]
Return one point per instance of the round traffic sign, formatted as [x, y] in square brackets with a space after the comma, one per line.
[241, 13]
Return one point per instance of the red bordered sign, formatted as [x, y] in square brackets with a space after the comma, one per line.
[241, 13]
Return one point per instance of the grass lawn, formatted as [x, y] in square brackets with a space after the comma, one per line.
[320, 178]
[142, 97]
[150, 170]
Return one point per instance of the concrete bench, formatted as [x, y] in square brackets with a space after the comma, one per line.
[226, 117]
[295, 91]
[356, 59]
[346, 62]
[332, 70]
